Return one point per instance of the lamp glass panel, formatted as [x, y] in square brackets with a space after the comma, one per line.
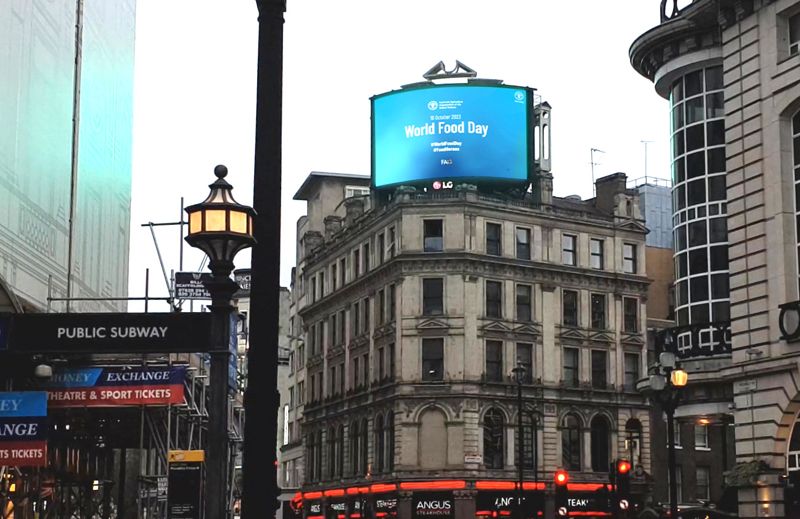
[679, 378]
[217, 196]
[215, 220]
[195, 222]
[238, 222]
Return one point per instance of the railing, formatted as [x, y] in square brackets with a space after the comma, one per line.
[696, 340]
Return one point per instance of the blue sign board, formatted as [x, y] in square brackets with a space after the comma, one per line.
[28, 403]
[441, 133]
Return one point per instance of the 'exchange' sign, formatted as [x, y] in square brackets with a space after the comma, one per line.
[106, 333]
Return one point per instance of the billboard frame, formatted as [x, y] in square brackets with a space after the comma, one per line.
[483, 180]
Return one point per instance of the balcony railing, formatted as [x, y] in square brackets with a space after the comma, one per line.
[696, 340]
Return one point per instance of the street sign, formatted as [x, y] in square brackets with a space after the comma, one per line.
[242, 277]
[109, 333]
[191, 285]
[184, 488]
[744, 386]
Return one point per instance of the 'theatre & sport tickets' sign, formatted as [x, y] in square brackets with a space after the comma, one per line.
[23, 429]
[436, 134]
[116, 386]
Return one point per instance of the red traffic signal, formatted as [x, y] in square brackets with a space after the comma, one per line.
[561, 477]
[623, 466]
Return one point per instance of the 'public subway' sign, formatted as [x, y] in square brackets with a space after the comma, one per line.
[116, 386]
[106, 333]
[23, 429]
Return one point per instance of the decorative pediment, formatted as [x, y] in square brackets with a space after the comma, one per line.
[432, 324]
[632, 338]
[495, 326]
[529, 329]
[632, 225]
[383, 331]
[572, 333]
[601, 337]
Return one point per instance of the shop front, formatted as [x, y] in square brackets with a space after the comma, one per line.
[503, 503]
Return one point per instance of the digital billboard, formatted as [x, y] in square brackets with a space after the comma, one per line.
[446, 133]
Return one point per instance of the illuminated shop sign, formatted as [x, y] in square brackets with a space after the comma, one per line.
[448, 133]
[432, 504]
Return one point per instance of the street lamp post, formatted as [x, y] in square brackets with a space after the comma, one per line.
[220, 227]
[667, 388]
[519, 377]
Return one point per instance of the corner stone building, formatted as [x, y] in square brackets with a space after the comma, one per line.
[416, 305]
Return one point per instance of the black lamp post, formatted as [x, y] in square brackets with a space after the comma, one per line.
[519, 377]
[666, 387]
[220, 227]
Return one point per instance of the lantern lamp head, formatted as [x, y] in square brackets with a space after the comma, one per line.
[220, 226]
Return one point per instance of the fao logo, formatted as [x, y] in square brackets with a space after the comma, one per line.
[519, 95]
[433, 105]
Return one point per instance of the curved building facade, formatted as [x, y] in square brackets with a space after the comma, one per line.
[731, 71]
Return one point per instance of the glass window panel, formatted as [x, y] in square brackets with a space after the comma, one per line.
[677, 144]
[494, 302]
[696, 192]
[699, 313]
[680, 235]
[721, 311]
[716, 188]
[715, 105]
[523, 302]
[695, 137]
[525, 357]
[719, 286]
[571, 367]
[682, 268]
[794, 32]
[681, 196]
[683, 292]
[238, 222]
[717, 230]
[680, 170]
[599, 362]
[698, 288]
[523, 243]
[569, 307]
[433, 241]
[695, 111]
[796, 124]
[716, 132]
[719, 257]
[195, 222]
[714, 78]
[493, 232]
[598, 311]
[677, 117]
[432, 296]
[683, 316]
[697, 233]
[432, 359]
[677, 91]
[698, 261]
[494, 361]
[693, 83]
[716, 160]
[696, 164]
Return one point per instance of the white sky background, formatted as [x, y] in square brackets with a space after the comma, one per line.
[195, 86]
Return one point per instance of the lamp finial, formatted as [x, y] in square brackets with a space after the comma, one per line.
[221, 171]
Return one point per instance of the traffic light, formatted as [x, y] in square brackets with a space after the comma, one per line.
[623, 484]
[561, 479]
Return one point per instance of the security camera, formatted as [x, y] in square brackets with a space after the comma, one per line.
[43, 371]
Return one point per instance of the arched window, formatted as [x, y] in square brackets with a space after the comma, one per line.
[364, 446]
[340, 452]
[493, 430]
[432, 439]
[380, 444]
[332, 442]
[601, 444]
[633, 441]
[571, 443]
[793, 457]
[389, 431]
[529, 438]
[354, 450]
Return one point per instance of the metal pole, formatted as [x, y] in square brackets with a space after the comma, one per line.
[221, 289]
[669, 408]
[260, 485]
[520, 452]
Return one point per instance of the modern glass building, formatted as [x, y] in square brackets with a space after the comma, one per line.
[66, 102]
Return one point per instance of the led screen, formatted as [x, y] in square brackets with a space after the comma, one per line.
[451, 132]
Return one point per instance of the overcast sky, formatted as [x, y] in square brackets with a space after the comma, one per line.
[195, 83]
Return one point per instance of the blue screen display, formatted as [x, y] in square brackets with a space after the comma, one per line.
[450, 132]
